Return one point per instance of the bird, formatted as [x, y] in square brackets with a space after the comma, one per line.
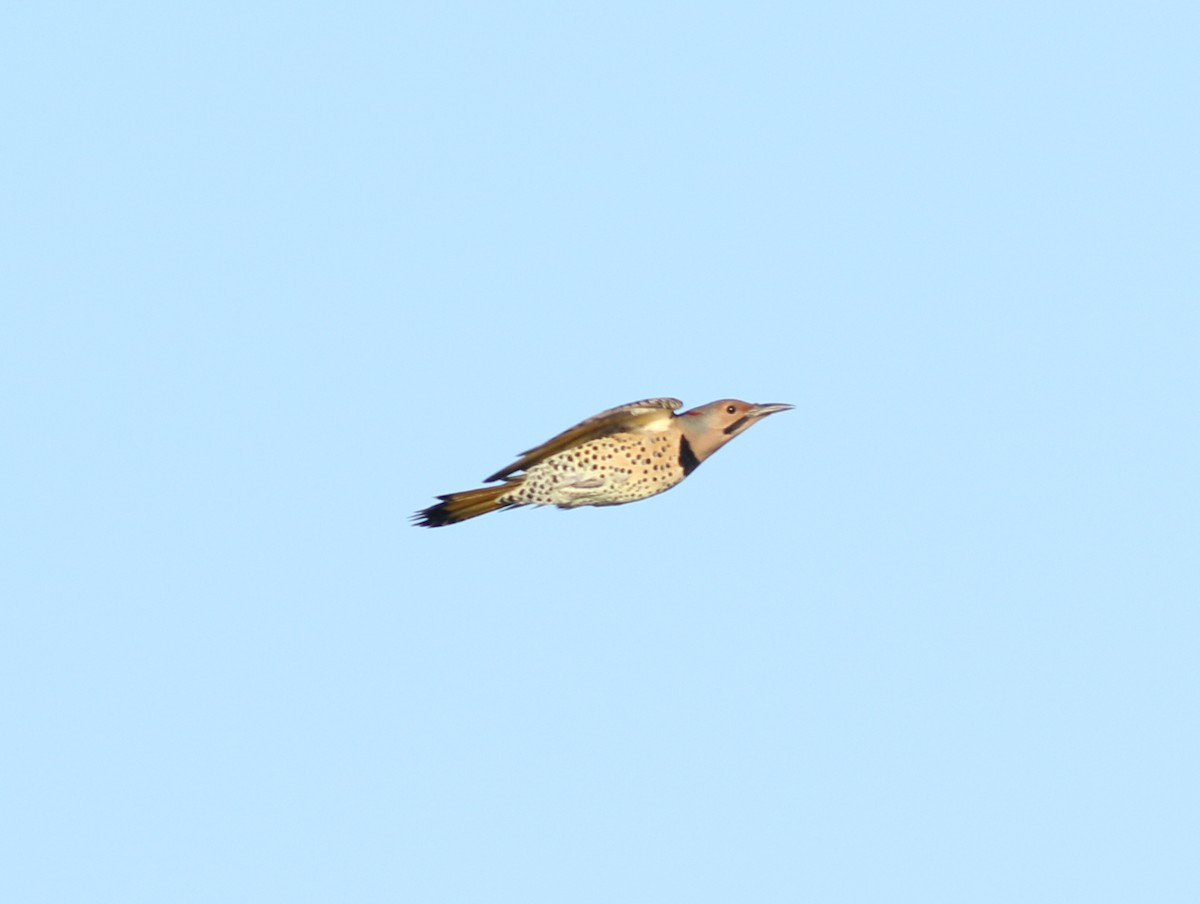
[620, 455]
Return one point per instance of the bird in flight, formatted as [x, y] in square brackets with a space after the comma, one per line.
[620, 455]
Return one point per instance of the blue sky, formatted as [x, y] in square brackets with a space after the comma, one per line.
[277, 275]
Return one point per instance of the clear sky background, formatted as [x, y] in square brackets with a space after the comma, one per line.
[274, 275]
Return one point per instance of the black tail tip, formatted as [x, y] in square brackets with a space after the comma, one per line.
[434, 516]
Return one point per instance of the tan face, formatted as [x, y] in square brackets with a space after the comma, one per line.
[733, 416]
[729, 417]
[713, 425]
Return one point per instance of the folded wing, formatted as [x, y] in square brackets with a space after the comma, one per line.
[635, 416]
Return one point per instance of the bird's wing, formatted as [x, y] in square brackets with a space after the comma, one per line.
[621, 419]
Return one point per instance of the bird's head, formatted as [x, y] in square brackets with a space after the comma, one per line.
[711, 426]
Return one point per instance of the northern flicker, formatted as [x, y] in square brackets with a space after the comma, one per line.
[620, 455]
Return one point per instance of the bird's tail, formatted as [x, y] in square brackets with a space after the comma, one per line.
[468, 504]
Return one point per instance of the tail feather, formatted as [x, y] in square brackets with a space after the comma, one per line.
[457, 507]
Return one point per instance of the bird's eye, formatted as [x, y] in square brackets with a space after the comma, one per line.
[731, 409]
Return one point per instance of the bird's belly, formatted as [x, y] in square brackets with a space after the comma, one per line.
[609, 471]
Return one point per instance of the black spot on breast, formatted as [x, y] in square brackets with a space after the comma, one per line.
[687, 458]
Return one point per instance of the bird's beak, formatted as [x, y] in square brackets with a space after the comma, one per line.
[764, 410]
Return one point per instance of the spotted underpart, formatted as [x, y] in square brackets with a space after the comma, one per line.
[620, 455]
[610, 470]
